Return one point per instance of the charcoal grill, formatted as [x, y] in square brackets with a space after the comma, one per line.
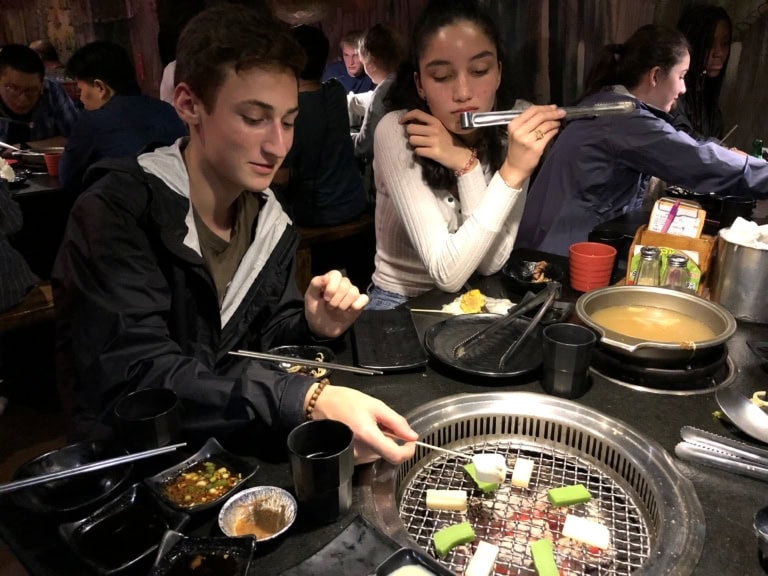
[652, 512]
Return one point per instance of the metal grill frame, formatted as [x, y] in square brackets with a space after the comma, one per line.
[640, 467]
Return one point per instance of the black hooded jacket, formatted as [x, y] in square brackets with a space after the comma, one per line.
[136, 306]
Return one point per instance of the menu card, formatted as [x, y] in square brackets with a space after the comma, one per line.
[677, 217]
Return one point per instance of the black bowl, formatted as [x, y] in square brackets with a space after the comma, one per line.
[307, 352]
[75, 495]
[213, 452]
[200, 556]
[19, 180]
[124, 534]
[519, 274]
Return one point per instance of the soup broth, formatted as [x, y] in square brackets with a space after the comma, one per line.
[654, 324]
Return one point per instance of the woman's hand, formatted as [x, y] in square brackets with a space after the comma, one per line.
[332, 303]
[366, 416]
[430, 139]
[529, 135]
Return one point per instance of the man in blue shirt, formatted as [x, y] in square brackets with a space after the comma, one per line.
[119, 120]
[349, 70]
[33, 109]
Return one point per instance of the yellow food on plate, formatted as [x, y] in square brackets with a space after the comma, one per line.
[472, 302]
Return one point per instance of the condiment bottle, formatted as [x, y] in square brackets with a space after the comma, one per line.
[648, 269]
[757, 148]
[676, 274]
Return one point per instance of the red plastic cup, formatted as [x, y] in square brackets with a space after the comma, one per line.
[591, 264]
[52, 163]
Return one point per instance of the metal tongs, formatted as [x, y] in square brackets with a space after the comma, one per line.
[722, 453]
[497, 118]
[545, 298]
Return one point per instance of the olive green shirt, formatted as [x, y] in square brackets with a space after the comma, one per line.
[221, 257]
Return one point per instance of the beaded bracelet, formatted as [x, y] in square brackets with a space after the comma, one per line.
[470, 163]
[315, 395]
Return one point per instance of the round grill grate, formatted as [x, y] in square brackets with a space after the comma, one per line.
[655, 521]
[512, 517]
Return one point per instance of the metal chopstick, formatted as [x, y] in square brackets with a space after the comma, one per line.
[61, 474]
[304, 362]
[482, 119]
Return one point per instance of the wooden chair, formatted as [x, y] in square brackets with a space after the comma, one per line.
[315, 238]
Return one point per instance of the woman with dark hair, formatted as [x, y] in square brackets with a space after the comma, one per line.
[449, 199]
[598, 168]
[708, 31]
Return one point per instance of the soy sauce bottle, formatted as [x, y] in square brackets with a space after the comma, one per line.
[757, 148]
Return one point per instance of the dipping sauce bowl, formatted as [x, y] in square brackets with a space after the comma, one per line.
[264, 512]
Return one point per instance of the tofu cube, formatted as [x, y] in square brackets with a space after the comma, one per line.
[483, 560]
[521, 473]
[490, 467]
[586, 531]
[455, 500]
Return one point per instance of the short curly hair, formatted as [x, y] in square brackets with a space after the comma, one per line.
[235, 36]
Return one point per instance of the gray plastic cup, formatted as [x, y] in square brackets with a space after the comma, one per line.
[322, 465]
[567, 353]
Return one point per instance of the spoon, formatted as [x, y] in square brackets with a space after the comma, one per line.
[743, 413]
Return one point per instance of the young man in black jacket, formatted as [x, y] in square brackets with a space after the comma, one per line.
[172, 260]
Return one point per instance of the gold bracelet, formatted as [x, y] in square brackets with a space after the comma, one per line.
[470, 163]
[315, 395]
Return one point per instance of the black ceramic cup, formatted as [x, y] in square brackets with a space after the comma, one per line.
[149, 418]
[567, 352]
[731, 207]
[322, 465]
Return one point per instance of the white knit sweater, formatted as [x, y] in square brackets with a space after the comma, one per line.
[426, 238]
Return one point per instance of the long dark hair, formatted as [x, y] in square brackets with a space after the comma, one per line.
[650, 46]
[702, 94]
[492, 144]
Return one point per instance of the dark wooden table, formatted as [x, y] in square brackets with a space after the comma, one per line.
[729, 501]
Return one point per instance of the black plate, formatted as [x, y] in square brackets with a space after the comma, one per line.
[307, 352]
[214, 452]
[124, 533]
[409, 557]
[387, 340]
[220, 556]
[21, 178]
[518, 273]
[483, 359]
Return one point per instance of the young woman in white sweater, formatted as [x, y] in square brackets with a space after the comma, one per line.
[449, 200]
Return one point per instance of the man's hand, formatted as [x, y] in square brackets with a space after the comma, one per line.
[332, 303]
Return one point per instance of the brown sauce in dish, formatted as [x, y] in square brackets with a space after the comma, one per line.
[259, 521]
[201, 483]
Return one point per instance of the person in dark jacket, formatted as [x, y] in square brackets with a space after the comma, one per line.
[118, 119]
[16, 279]
[598, 168]
[173, 260]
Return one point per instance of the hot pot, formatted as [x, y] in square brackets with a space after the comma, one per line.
[713, 315]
